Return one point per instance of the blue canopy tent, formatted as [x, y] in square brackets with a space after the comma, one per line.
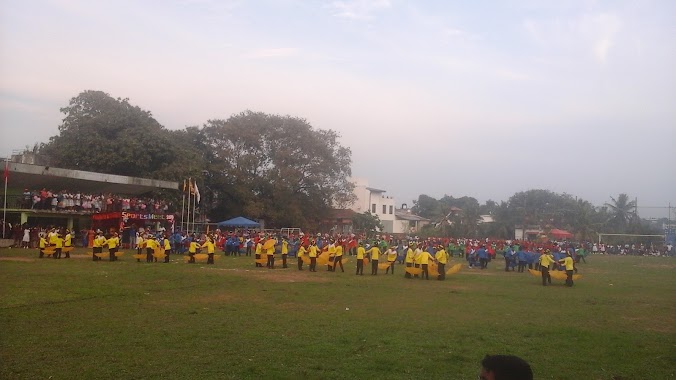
[239, 222]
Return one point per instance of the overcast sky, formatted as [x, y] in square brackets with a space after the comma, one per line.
[477, 98]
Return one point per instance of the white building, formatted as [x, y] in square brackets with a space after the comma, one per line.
[375, 201]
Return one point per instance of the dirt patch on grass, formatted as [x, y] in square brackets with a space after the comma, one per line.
[277, 275]
[23, 259]
[287, 276]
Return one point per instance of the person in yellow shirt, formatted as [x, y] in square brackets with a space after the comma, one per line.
[331, 249]
[299, 255]
[570, 268]
[167, 248]
[338, 259]
[410, 257]
[425, 258]
[361, 254]
[68, 242]
[51, 237]
[312, 253]
[391, 254]
[259, 252]
[375, 253]
[545, 261]
[42, 245]
[270, 252]
[417, 256]
[58, 244]
[113, 243]
[210, 246]
[285, 252]
[97, 245]
[192, 249]
[151, 244]
[442, 258]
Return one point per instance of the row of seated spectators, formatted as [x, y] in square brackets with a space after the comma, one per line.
[66, 200]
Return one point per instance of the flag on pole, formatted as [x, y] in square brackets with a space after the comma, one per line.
[184, 186]
[197, 193]
[6, 174]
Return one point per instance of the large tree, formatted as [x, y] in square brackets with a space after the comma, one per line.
[278, 168]
[105, 134]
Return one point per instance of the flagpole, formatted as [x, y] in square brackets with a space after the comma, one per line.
[4, 207]
[194, 201]
[187, 208]
[182, 208]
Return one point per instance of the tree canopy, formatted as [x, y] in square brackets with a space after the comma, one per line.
[277, 168]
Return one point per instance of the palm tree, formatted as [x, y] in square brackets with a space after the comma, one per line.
[621, 210]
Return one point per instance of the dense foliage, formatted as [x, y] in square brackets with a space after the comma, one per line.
[533, 208]
[276, 168]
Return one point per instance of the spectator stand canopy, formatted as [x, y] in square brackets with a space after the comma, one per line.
[34, 177]
[560, 234]
[239, 221]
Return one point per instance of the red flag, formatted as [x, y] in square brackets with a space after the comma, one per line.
[6, 170]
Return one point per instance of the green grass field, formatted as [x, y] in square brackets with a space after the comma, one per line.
[65, 319]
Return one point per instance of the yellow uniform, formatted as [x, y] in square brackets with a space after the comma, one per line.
[409, 256]
[209, 246]
[339, 251]
[68, 240]
[58, 242]
[375, 253]
[425, 258]
[361, 253]
[568, 262]
[301, 251]
[167, 245]
[441, 256]
[312, 251]
[391, 255]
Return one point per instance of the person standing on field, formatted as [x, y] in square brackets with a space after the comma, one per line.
[361, 254]
[569, 263]
[375, 253]
[545, 261]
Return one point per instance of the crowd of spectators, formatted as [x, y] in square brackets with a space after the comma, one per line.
[75, 201]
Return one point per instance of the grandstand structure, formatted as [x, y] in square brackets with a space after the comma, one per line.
[21, 176]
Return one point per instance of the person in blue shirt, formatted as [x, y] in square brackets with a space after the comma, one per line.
[507, 254]
[483, 257]
[521, 257]
[531, 258]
